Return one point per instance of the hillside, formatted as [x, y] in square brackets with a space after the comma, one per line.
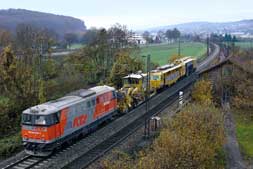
[58, 23]
[245, 26]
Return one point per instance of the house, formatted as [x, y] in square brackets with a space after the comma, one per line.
[137, 39]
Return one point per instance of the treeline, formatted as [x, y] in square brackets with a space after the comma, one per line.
[227, 38]
[27, 77]
[169, 36]
[162, 36]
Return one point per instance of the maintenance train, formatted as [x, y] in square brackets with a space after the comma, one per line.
[48, 126]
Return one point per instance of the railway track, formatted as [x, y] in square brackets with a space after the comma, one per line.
[25, 163]
[205, 63]
[89, 149]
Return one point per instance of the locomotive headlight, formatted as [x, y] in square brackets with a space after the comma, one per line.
[25, 137]
[43, 140]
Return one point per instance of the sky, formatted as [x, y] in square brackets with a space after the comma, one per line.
[140, 14]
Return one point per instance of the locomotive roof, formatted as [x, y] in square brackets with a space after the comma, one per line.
[61, 103]
[82, 93]
[102, 89]
[185, 59]
[135, 76]
[166, 70]
[165, 67]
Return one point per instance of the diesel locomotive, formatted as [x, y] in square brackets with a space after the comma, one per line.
[47, 126]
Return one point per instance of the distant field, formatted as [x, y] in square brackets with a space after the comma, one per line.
[161, 53]
[244, 45]
[76, 46]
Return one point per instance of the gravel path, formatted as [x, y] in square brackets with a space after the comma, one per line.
[234, 157]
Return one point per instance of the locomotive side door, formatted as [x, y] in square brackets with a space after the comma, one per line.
[58, 125]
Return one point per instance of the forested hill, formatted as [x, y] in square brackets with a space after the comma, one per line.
[9, 19]
[245, 26]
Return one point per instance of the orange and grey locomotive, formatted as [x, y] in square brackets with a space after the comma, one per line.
[47, 126]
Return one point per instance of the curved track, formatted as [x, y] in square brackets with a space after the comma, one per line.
[205, 63]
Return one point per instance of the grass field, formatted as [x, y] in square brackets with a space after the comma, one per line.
[244, 132]
[244, 45]
[161, 53]
[76, 46]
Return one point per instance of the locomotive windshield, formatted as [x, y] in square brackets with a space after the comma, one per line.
[131, 81]
[155, 77]
[40, 120]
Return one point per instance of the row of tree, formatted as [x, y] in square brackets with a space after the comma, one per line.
[218, 38]
[170, 36]
[161, 36]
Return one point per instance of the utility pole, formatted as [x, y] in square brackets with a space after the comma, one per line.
[208, 45]
[251, 43]
[147, 120]
[179, 47]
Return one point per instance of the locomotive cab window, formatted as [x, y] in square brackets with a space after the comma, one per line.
[126, 81]
[93, 102]
[155, 77]
[131, 81]
[88, 104]
[114, 95]
[40, 120]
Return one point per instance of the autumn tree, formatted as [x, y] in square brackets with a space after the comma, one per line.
[18, 86]
[176, 33]
[169, 34]
[173, 34]
[147, 36]
[117, 36]
[32, 42]
[241, 80]
[5, 38]
[8, 70]
[160, 36]
[90, 36]
[202, 92]
[70, 38]
[124, 66]
[174, 57]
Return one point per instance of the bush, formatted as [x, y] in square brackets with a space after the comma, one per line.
[193, 139]
[202, 92]
[9, 145]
